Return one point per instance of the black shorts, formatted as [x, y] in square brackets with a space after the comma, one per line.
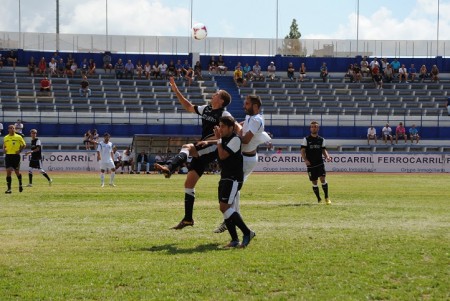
[12, 161]
[35, 164]
[316, 172]
[228, 190]
[199, 164]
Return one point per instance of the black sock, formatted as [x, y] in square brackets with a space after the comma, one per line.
[231, 227]
[30, 178]
[239, 222]
[8, 182]
[316, 192]
[46, 176]
[177, 161]
[188, 206]
[19, 177]
[325, 189]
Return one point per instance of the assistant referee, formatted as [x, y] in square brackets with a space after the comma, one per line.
[13, 144]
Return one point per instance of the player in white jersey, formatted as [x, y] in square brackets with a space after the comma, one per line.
[252, 134]
[105, 156]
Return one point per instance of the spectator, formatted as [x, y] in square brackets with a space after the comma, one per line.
[412, 73]
[45, 85]
[73, 69]
[92, 67]
[384, 65]
[371, 134]
[159, 158]
[324, 72]
[377, 78]
[198, 70]
[400, 132]
[189, 76]
[84, 87]
[172, 69]
[423, 73]
[87, 139]
[126, 160]
[129, 69]
[139, 69]
[212, 65]
[238, 75]
[31, 67]
[119, 69]
[302, 72]
[94, 138]
[434, 74]
[256, 72]
[387, 134]
[247, 71]
[389, 74]
[395, 66]
[291, 71]
[18, 126]
[84, 67]
[142, 158]
[185, 67]
[271, 69]
[448, 106]
[2, 60]
[12, 59]
[179, 69]
[221, 67]
[52, 68]
[42, 67]
[350, 73]
[403, 73]
[107, 61]
[374, 63]
[365, 66]
[163, 70]
[117, 157]
[357, 76]
[147, 70]
[61, 67]
[155, 70]
[414, 134]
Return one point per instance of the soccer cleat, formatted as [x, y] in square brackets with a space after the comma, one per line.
[20, 188]
[30, 185]
[103, 185]
[327, 201]
[50, 182]
[8, 191]
[247, 238]
[183, 224]
[319, 201]
[163, 169]
[112, 185]
[221, 228]
[232, 244]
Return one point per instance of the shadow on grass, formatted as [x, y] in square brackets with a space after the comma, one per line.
[173, 249]
[299, 205]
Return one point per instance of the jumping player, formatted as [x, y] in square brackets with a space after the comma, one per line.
[312, 149]
[203, 154]
[105, 156]
[36, 159]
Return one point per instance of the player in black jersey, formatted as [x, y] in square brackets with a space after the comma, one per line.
[210, 115]
[36, 158]
[313, 150]
[231, 180]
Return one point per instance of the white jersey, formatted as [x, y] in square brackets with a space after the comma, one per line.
[105, 150]
[117, 156]
[254, 124]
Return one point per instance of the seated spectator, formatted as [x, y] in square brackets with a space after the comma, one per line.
[45, 85]
[198, 70]
[400, 132]
[185, 67]
[189, 76]
[414, 134]
[163, 70]
[384, 65]
[324, 72]
[179, 69]
[84, 67]
[18, 126]
[171, 69]
[12, 59]
[61, 68]
[412, 72]
[357, 75]
[126, 160]
[365, 66]
[94, 138]
[31, 67]
[371, 134]
[247, 71]
[350, 74]
[155, 70]
[52, 68]
[212, 65]
[377, 78]
[434, 74]
[256, 72]
[221, 67]
[291, 71]
[423, 73]
[107, 61]
[139, 69]
[87, 139]
[238, 75]
[129, 69]
[271, 69]
[389, 74]
[387, 134]
[402, 74]
[73, 69]
[147, 70]
[302, 72]
[84, 87]
[2, 61]
[92, 67]
[374, 63]
[119, 69]
[142, 158]
[395, 66]
[42, 67]
[117, 157]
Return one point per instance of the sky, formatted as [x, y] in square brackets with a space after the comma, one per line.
[319, 19]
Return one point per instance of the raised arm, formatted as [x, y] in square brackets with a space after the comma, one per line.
[187, 105]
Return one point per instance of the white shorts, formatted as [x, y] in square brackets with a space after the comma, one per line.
[249, 165]
[107, 165]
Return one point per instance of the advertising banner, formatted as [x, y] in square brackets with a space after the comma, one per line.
[66, 161]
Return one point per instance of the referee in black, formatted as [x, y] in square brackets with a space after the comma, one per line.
[314, 151]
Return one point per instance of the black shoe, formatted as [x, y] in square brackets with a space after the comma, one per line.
[8, 191]
[247, 238]
[20, 188]
[183, 224]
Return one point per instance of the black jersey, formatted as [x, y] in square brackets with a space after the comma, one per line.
[233, 166]
[314, 147]
[36, 147]
[210, 118]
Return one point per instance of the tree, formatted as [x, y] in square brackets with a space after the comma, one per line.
[291, 43]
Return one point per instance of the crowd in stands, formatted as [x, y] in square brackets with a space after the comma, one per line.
[387, 134]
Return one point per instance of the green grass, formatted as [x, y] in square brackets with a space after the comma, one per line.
[385, 237]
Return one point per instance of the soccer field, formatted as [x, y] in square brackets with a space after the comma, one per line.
[385, 237]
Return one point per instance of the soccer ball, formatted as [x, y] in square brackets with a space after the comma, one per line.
[199, 31]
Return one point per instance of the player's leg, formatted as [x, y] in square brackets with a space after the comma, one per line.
[8, 178]
[313, 177]
[189, 200]
[30, 176]
[177, 160]
[112, 175]
[19, 176]
[325, 189]
[102, 177]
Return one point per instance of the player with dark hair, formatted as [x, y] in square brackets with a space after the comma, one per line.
[202, 153]
[36, 158]
[312, 149]
[105, 156]
[231, 180]
[13, 144]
